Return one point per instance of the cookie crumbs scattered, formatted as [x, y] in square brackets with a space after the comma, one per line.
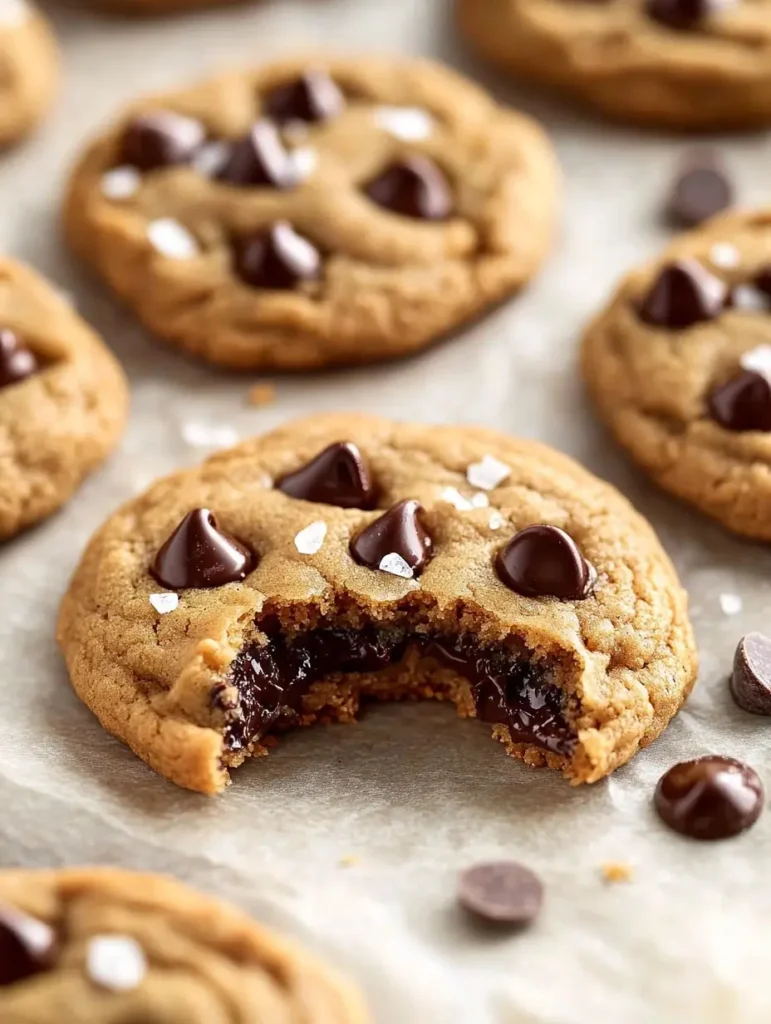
[262, 394]
[350, 860]
[615, 871]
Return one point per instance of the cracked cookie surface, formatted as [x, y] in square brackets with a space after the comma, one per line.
[29, 69]
[678, 365]
[669, 63]
[349, 557]
[313, 213]
[63, 399]
[101, 946]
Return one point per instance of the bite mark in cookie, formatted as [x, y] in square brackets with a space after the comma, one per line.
[343, 214]
[323, 601]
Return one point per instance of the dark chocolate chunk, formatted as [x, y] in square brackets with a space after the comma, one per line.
[278, 258]
[507, 686]
[701, 190]
[311, 97]
[685, 293]
[260, 158]
[544, 561]
[198, 554]
[501, 892]
[414, 187]
[26, 946]
[742, 403]
[17, 362]
[161, 138]
[710, 798]
[763, 281]
[398, 531]
[751, 677]
[683, 15]
[336, 476]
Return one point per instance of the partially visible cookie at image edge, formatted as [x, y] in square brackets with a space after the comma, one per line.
[29, 59]
[682, 64]
[344, 557]
[63, 399]
[679, 367]
[315, 212]
[99, 945]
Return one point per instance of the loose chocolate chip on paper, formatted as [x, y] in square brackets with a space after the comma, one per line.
[684, 293]
[260, 158]
[198, 554]
[701, 190]
[278, 258]
[414, 187]
[544, 561]
[26, 946]
[501, 892]
[161, 138]
[742, 403]
[336, 476]
[16, 361]
[399, 532]
[710, 798]
[313, 96]
[751, 677]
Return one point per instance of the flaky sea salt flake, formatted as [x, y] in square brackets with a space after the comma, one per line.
[394, 564]
[310, 540]
[116, 962]
[453, 497]
[169, 238]
[164, 603]
[724, 255]
[488, 473]
[496, 520]
[757, 360]
[410, 124]
[120, 183]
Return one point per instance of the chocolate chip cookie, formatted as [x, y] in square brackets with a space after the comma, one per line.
[29, 69]
[346, 557]
[311, 214]
[693, 64]
[98, 946]
[63, 399]
[679, 366]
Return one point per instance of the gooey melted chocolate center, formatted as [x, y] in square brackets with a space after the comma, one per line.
[507, 687]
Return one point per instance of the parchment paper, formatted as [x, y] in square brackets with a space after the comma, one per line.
[411, 792]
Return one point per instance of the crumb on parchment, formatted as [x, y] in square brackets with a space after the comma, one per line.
[614, 871]
[262, 394]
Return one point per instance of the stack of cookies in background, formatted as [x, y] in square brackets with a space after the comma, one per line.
[326, 331]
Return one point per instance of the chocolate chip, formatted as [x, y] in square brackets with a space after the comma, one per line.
[751, 677]
[501, 892]
[684, 294]
[398, 531]
[701, 190]
[26, 946]
[544, 561]
[413, 187]
[742, 403]
[161, 139]
[278, 258]
[199, 554]
[311, 97]
[683, 15]
[710, 798]
[336, 476]
[16, 360]
[259, 159]
[763, 281]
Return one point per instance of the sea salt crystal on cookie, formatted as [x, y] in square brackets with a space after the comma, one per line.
[169, 238]
[488, 473]
[394, 564]
[304, 162]
[310, 540]
[164, 603]
[747, 296]
[210, 158]
[724, 255]
[496, 521]
[757, 360]
[479, 500]
[410, 124]
[453, 497]
[120, 183]
[116, 962]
